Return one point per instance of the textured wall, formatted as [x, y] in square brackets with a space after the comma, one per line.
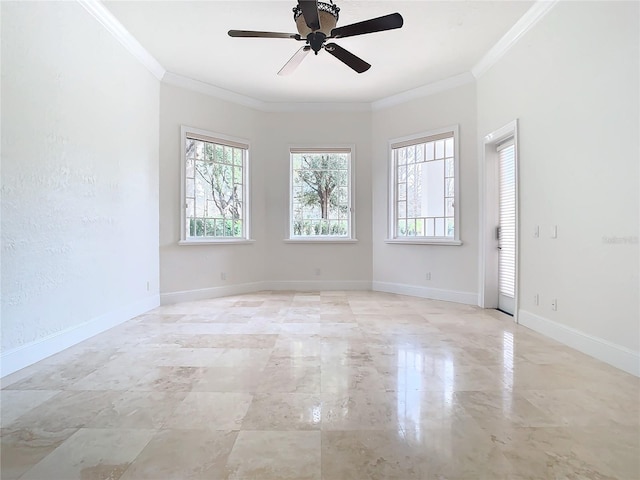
[79, 172]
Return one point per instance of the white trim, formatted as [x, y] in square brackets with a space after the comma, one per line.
[316, 240]
[509, 39]
[317, 285]
[171, 78]
[421, 241]
[187, 83]
[211, 292]
[316, 107]
[391, 186]
[283, 285]
[221, 241]
[25, 355]
[211, 90]
[498, 136]
[608, 352]
[487, 178]
[466, 298]
[423, 91]
[214, 137]
[97, 9]
[349, 148]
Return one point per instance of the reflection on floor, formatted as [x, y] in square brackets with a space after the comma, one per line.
[331, 385]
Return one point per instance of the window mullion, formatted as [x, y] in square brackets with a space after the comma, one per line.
[423, 181]
[215, 157]
[321, 198]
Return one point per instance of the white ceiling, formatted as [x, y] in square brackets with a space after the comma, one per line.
[439, 40]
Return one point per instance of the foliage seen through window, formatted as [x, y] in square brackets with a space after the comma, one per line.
[320, 196]
[214, 189]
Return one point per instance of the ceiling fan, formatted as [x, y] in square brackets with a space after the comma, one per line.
[316, 23]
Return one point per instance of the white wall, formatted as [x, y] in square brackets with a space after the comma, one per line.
[572, 82]
[403, 268]
[195, 270]
[79, 180]
[294, 265]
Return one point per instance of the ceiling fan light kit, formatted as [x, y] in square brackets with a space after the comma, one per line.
[327, 16]
[316, 22]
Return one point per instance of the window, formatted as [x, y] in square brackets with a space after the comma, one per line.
[215, 173]
[424, 193]
[321, 207]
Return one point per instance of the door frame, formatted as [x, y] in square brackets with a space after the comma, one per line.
[489, 216]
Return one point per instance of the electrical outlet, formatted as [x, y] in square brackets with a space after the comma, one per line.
[536, 299]
[147, 285]
[318, 272]
[223, 275]
[428, 276]
[554, 304]
[536, 231]
[554, 231]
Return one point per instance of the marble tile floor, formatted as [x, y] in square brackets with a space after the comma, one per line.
[330, 385]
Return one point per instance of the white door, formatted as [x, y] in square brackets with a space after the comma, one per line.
[507, 227]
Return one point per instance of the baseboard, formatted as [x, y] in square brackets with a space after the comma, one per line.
[239, 289]
[317, 285]
[25, 355]
[608, 352]
[467, 298]
[211, 292]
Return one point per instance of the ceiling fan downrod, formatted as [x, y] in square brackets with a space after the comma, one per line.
[316, 40]
[315, 21]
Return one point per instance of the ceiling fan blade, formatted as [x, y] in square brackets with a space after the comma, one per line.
[347, 57]
[310, 13]
[380, 24]
[251, 34]
[294, 61]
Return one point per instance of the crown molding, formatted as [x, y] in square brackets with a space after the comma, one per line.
[315, 107]
[211, 90]
[424, 91]
[187, 83]
[97, 9]
[522, 26]
[171, 78]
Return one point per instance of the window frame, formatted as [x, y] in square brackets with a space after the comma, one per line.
[415, 139]
[222, 139]
[351, 230]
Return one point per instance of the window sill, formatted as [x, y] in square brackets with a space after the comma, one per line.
[221, 241]
[320, 240]
[425, 241]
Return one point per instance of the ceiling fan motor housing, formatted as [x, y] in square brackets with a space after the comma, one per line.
[327, 14]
